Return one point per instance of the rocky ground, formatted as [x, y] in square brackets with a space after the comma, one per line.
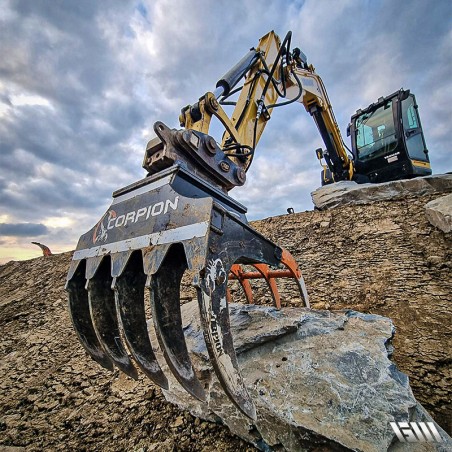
[384, 258]
[387, 259]
[53, 397]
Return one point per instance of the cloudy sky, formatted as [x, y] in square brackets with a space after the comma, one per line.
[82, 82]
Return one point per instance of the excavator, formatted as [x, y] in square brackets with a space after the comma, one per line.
[180, 218]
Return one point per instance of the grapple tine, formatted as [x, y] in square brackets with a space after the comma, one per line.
[237, 271]
[103, 313]
[214, 311]
[290, 263]
[263, 269]
[178, 218]
[165, 303]
[81, 318]
[129, 295]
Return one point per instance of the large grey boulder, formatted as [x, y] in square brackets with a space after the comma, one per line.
[439, 213]
[317, 378]
[347, 192]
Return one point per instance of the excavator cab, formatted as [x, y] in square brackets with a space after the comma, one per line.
[387, 139]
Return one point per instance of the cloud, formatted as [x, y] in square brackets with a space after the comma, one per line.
[23, 229]
[85, 81]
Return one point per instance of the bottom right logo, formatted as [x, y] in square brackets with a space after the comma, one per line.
[413, 432]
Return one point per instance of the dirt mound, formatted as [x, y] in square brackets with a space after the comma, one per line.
[383, 258]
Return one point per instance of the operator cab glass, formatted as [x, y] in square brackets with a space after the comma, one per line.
[414, 137]
[375, 133]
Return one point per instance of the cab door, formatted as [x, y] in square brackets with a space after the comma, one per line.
[413, 135]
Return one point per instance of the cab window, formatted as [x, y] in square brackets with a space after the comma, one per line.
[375, 132]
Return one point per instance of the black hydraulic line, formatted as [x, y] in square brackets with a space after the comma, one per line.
[251, 155]
[346, 147]
[227, 82]
[270, 77]
[237, 146]
[223, 100]
[287, 102]
[236, 90]
[242, 114]
[273, 80]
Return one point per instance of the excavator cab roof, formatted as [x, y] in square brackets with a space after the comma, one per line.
[401, 93]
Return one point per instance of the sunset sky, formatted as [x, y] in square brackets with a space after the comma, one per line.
[82, 82]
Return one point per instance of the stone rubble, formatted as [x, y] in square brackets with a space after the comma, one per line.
[54, 397]
[439, 212]
[346, 193]
[317, 378]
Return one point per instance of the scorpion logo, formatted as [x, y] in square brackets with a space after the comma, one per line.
[215, 274]
[102, 235]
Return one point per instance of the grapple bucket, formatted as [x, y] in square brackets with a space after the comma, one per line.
[152, 233]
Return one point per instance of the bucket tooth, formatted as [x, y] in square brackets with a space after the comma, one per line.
[195, 253]
[105, 320]
[165, 303]
[72, 269]
[153, 257]
[129, 295]
[81, 318]
[176, 219]
[92, 265]
[217, 334]
[119, 262]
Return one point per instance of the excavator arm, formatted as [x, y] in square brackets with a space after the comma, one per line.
[316, 102]
[245, 126]
[271, 72]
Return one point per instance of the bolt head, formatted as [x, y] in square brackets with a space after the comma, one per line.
[214, 103]
[211, 145]
[240, 175]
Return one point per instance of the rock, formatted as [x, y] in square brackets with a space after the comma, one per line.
[178, 422]
[12, 449]
[165, 446]
[439, 213]
[347, 192]
[317, 378]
